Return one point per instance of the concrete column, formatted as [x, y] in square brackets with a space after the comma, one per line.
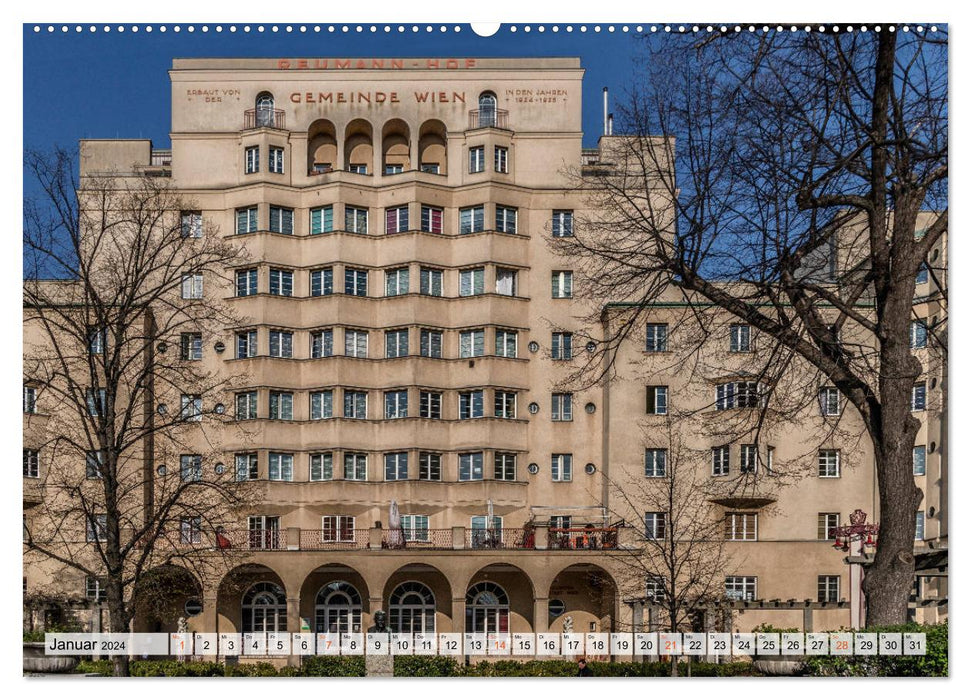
[637, 623]
[541, 615]
[377, 149]
[458, 541]
[375, 538]
[414, 154]
[458, 614]
[209, 618]
[293, 538]
[542, 536]
[807, 620]
[293, 613]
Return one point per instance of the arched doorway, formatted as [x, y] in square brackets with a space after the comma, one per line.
[486, 608]
[587, 597]
[411, 608]
[160, 598]
[264, 608]
[338, 608]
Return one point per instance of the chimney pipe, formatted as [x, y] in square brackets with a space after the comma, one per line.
[605, 112]
[610, 125]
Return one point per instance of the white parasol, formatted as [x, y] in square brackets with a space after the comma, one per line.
[396, 536]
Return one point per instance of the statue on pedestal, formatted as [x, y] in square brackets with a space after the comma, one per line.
[380, 623]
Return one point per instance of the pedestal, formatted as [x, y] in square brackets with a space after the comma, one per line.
[379, 666]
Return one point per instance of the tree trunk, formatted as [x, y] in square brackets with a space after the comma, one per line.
[119, 621]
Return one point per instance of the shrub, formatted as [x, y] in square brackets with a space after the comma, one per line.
[933, 663]
[332, 666]
[424, 666]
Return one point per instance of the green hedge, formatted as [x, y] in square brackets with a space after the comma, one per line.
[934, 663]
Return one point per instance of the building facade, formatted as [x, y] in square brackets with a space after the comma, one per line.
[407, 336]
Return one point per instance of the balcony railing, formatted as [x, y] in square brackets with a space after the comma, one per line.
[161, 158]
[264, 539]
[322, 540]
[495, 538]
[496, 118]
[417, 539]
[583, 538]
[270, 118]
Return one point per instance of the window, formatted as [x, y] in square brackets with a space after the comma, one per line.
[322, 466]
[276, 160]
[655, 462]
[246, 344]
[416, 530]
[562, 407]
[560, 522]
[505, 404]
[507, 343]
[431, 282]
[396, 219]
[190, 530]
[321, 404]
[246, 282]
[471, 404]
[355, 343]
[247, 220]
[97, 528]
[32, 464]
[93, 464]
[920, 460]
[433, 168]
[396, 466]
[656, 589]
[657, 337]
[919, 526]
[322, 282]
[322, 220]
[430, 404]
[355, 466]
[264, 110]
[829, 463]
[281, 344]
[396, 404]
[562, 467]
[430, 343]
[740, 338]
[95, 589]
[264, 533]
[655, 526]
[191, 346]
[487, 115]
[96, 400]
[741, 526]
[471, 282]
[355, 281]
[501, 159]
[431, 219]
[337, 528]
[918, 334]
[355, 404]
[505, 466]
[923, 274]
[720, 460]
[247, 467]
[918, 397]
[472, 343]
[359, 168]
[562, 281]
[477, 159]
[472, 219]
[562, 223]
[506, 219]
[281, 220]
[737, 395]
[740, 587]
[281, 405]
[192, 286]
[190, 467]
[192, 224]
[562, 346]
[30, 399]
[826, 524]
[470, 466]
[281, 282]
[246, 405]
[505, 282]
[657, 400]
[429, 466]
[748, 459]
[396, 282]
[355, 219]
[191, 407]
[321, 343]
[97, 340]
[829, 401]
[252, 159]
[828, 589]
[396, 343]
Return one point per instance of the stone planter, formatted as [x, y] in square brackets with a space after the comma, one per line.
[776, 666]
[35, 661]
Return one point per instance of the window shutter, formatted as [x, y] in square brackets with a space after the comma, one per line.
[651, 399]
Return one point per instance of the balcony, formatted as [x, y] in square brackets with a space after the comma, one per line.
[489, 118]
[321, 540]
[500, 538]
[264, 118]
[583, 538]
[418, 539]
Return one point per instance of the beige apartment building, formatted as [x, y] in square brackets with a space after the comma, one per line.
[406, 336]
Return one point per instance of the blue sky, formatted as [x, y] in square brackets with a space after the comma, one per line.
[115, 85]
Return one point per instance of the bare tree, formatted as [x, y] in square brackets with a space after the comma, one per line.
[808, 186]
[115, 317]
[681, 561]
